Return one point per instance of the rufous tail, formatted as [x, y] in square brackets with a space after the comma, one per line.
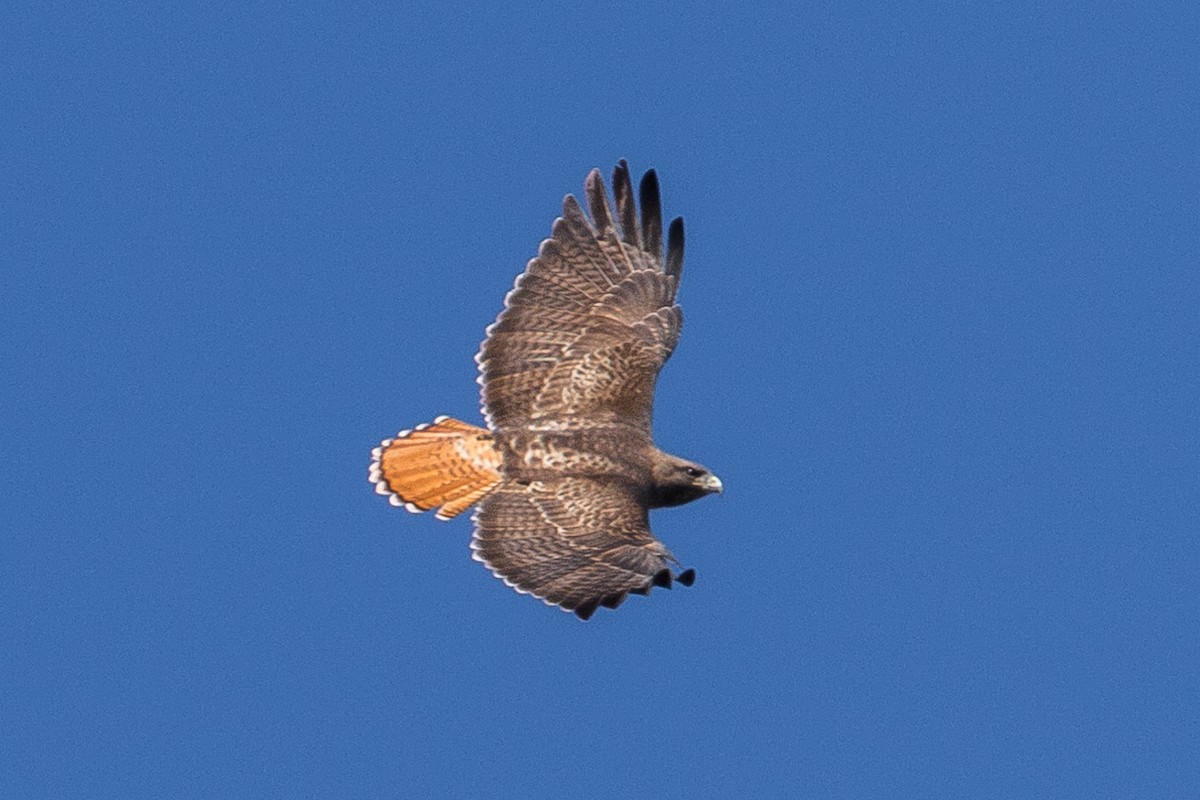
[446, 464]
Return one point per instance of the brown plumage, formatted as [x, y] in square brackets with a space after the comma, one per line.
[566, 475]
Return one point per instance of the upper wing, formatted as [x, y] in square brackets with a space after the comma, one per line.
[575, 542]
[592, 319]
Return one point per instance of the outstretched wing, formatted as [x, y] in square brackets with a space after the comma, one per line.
[592, 319]
[575, 542]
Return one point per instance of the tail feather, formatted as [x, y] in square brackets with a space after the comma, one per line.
[447, 464]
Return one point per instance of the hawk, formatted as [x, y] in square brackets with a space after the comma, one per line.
[566, 472]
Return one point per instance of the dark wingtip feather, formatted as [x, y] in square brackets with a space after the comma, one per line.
[593, 187]
[585, 610]
[626, 212]
[687, 577]
[651, 202]
[613, 600]
[662, 578]
[674, 264]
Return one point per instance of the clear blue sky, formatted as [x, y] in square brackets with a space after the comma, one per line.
[941, 295]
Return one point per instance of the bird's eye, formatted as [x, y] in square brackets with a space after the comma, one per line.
[693, 472]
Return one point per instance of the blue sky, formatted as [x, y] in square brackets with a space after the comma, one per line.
[941, 345]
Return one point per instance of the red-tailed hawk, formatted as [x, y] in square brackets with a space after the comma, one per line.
[566, 472]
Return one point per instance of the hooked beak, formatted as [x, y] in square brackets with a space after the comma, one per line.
[711, 483]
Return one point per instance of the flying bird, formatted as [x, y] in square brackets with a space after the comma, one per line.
[565, 473]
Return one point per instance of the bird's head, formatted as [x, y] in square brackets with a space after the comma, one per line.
[678, 481]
